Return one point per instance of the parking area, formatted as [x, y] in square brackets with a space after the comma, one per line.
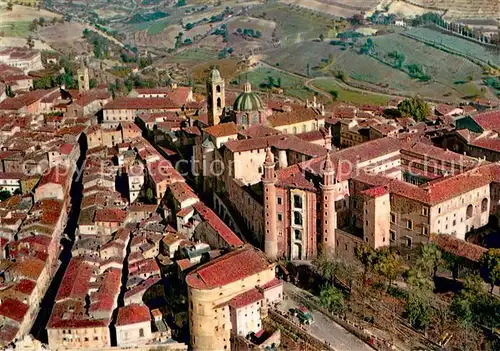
[323, 327]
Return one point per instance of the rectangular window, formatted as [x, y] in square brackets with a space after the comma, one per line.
[393, 235]
[425, 211]
[393, 218]
[408, 242]
[425, 230]
[409, 224]
[279, 200]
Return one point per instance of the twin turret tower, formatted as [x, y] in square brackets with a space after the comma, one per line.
[328, 214]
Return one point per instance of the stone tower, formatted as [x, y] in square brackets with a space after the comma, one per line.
[270, 215]
[216, 96]
[83, 77]
[328, 213]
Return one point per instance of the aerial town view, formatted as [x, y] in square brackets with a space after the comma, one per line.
[250, 175]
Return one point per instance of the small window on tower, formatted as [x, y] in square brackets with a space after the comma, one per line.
[218, 88]
[219, 102]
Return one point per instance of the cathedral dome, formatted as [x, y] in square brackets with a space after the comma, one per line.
[248, 101]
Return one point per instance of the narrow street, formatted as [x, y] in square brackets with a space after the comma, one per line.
[39, 328]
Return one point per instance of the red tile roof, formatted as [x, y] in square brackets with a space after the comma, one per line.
[217, 224]
[75, 281]
[458, 247]
[182, 192]
[234, 266]
[488, 120]
[375, 192]
[110, 215]
[246, 298]
[13, 309]
[56, 175]
[132, 314]
[25, 286]
[142, 104]
[223, 129]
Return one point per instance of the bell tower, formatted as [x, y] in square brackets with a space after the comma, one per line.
[269, 183]
[216, 96]
[83, 77]
[328, 213]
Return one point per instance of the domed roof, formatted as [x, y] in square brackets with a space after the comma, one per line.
[248, 101]
[214, 75]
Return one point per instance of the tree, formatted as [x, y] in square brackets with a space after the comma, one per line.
[30, 42]
[415, 107]
[4, 195]
[429, 258]
[419, 308]
[9, 6]
[332, 299]
[419, 279]
[490, 267]
[387, 264]
[326, 264]
[149, 194]
[366, 256]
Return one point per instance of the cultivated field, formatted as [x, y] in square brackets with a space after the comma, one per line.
[16, 23]
[291, 85]
[440, 66]
[461, 9]
[21, 42]
[339, 8]
[457, 44]
[405, 9]
[349, 96]
[316, 59]
[295, 24]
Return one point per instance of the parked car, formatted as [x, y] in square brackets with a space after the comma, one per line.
[303, 314]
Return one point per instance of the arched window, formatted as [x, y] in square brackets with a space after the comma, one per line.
[297, 218]
[484, 205]
[469, 211]
[244, 119]
[297, 201]
[294, 130]
[304, 128]
[218, 88]
[219, 102]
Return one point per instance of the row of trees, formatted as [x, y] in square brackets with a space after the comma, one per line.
[469, 309]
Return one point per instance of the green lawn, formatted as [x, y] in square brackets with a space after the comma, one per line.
[15, 29]
[348, 96]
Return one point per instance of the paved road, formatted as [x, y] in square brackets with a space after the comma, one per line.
[323, 327]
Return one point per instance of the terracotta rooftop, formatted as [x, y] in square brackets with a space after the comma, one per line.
[488, 120]
[182, 192]
[13, 309]
[236, 265]
[133, 314]
[246, 298]
[141, 104]
[110, 215]
[56, 175]
[217, 224]
[458, 247]
[298, 114]
[223, 129]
